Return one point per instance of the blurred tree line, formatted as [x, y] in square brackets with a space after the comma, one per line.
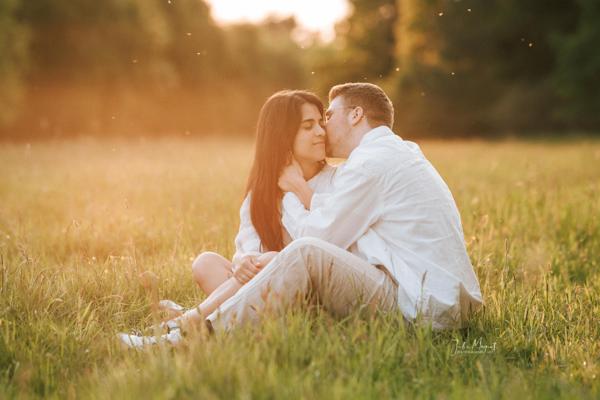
[452, 67]
[137, 67]
[467, 67]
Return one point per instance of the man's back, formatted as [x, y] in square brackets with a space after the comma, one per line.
[416, 232]
[390, 207]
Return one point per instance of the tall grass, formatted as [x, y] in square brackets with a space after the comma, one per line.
[79, 220]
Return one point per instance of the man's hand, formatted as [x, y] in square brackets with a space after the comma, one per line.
[291, 177]
[246, 269]
[292, 180]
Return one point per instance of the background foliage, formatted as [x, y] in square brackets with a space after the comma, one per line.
[453, 67]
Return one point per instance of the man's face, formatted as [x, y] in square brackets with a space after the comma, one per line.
[337, 125]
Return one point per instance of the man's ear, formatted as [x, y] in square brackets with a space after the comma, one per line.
[356, 115]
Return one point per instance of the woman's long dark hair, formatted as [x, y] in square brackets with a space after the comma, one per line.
[278, 124]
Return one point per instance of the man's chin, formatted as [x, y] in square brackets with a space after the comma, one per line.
[328, 151]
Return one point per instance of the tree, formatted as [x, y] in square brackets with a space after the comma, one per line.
[470, 68]
[86, 58]
[577, 76]
[363, 49]
[13, 60]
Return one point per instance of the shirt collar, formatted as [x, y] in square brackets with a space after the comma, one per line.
[375, 134]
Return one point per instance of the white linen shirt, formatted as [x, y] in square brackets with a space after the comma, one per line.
[389, 206]
[247, 241]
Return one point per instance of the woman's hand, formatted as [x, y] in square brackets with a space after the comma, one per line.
[249, 266]
[266, 258]
[246, 269]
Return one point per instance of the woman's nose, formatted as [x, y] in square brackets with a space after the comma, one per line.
[320, 131]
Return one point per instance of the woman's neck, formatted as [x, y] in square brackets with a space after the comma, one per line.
[310, 168]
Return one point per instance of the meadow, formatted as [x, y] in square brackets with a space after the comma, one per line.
[80, 219]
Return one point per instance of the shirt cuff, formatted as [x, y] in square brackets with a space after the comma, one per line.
[293, 214]
[317, 200]
[292, 204]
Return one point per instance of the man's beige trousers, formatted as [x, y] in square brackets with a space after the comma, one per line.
[313, 269]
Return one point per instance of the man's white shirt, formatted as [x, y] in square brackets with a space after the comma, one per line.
[247, 241]
[389, 206]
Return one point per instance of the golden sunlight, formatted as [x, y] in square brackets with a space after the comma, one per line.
[314, 15]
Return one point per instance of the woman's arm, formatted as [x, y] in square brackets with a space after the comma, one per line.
[247, 241]
[220, 295]
[230, 287]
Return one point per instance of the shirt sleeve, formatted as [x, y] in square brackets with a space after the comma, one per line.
[339, 217]
[247, 241]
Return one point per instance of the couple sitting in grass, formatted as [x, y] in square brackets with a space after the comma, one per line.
[379, 233]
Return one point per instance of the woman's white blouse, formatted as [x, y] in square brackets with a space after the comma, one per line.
[247, 241]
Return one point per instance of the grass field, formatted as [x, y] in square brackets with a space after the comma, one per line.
[80, 219]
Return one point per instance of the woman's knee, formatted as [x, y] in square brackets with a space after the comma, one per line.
[203, 263]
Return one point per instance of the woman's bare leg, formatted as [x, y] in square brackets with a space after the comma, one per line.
[218, 296]
[210, 270]
[214, 300]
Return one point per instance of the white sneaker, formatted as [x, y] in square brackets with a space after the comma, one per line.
[164, 327]
[169, 325]
[174, 337]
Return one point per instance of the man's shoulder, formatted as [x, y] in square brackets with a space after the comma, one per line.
[384, 154]
[323, 179]
[394, 144]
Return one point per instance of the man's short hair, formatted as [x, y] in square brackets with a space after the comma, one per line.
[377, 106]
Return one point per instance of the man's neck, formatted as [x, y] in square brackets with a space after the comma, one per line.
[357, 134]
[309, 169]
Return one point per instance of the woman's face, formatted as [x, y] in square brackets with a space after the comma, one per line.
[309, 143]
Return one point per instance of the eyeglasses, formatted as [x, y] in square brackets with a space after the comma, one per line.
[329, 112]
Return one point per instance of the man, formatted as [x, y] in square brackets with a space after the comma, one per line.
[387, 237]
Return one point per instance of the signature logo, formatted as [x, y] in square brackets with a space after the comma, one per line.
[477, 346]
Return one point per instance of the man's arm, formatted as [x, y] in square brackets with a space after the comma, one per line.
[340, 217]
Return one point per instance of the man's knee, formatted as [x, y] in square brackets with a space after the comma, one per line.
[294, 257]
[309, 254]
[305, 244]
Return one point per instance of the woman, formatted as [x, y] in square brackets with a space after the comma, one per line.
[290, 129]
